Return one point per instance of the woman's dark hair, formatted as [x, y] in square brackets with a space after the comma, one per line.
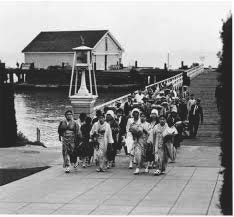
[68, 111]
[98, 112]
[119, 110]
[88, 120]
[162, 116]
[170, 122]
[82, 116]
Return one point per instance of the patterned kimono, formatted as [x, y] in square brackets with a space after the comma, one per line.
[70, 133]
[160, 149]
[149, 146]
[131, 124]
[102, 133]
[168, 136]
[140, 135]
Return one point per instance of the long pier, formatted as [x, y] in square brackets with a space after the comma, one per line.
[176, 81]
[191, 185]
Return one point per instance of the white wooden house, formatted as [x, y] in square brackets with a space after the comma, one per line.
[55, 48]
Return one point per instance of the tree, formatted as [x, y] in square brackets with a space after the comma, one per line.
[225, 79]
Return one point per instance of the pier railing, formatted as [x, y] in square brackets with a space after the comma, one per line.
[176, 81]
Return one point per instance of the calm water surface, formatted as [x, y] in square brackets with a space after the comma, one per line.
[44, 109]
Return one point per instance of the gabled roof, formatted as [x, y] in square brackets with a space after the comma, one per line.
[63, 41]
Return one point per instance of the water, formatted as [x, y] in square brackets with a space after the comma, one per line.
[45, 109]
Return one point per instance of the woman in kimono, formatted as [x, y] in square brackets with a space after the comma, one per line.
[157, 136]
[140, 134]
[112, 148]
[101, 133]
[149, 146]
[169, 140]
[131, 124]
[70, 132]
[86, 146]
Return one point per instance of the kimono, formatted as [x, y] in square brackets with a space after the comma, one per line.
[140, 133]
[131, 124]
[86, 146]
[103, 135]
[159, 146]
[112, 147]
[169, 136]
[149, 146]
[71, 134]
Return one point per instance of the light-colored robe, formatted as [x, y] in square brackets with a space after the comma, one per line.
[104, 136]
[129, 137]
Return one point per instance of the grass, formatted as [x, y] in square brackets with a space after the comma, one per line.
[11, 175]
[22, 140]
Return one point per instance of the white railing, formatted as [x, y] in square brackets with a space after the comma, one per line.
[176, 81]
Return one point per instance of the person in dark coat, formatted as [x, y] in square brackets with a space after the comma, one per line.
[112, 148]
[128, 106]
[122, 121]
[195, 117]
[182, 110]
[86, 147]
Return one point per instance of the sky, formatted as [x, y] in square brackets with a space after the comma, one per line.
[147, 30]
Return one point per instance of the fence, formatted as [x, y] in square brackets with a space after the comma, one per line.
[176, 81]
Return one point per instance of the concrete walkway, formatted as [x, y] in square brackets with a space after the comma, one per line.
[190, 187]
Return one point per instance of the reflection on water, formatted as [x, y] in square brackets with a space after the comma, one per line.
[44, 109]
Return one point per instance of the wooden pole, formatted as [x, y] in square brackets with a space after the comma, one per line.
[73, 68]
[94, 78]
[90, 79]
[38, 135]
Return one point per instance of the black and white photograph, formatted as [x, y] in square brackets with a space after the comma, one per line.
[116, 107]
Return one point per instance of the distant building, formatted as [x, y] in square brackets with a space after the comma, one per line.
[55, 48]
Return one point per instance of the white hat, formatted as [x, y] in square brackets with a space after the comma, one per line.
[111, 113]
[136, 110]
[174, 109]
[154, 111]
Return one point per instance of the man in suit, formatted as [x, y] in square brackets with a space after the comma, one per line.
[122, 121]
[195, 116]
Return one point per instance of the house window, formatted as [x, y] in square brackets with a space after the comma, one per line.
[106, 44]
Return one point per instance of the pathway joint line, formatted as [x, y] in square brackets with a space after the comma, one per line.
[181, 192]
[83, 192]
[149, 191]
[213, 193]
[111, 196]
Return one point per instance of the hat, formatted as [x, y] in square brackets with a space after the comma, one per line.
[158, 106]
[174, 109]
[136, 110]
[154, 111]
[198, 100]
[111, 113]
[164, 103]
[158, 97]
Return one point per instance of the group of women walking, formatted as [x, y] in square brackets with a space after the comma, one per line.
[147, 127]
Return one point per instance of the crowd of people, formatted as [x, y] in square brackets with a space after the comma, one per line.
[149, 127]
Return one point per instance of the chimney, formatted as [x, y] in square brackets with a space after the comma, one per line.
[182, 64]
[136, 64]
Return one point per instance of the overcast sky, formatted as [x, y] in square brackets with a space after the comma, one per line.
[146, 30]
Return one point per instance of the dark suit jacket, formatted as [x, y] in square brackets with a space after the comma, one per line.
[198, 114]
[122, 126]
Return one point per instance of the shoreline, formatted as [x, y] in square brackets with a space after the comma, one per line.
[27, 86]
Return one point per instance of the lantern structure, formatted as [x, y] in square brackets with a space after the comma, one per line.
[82, 99]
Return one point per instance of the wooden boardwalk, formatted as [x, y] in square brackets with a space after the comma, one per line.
[190, 186]
[203, 87]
